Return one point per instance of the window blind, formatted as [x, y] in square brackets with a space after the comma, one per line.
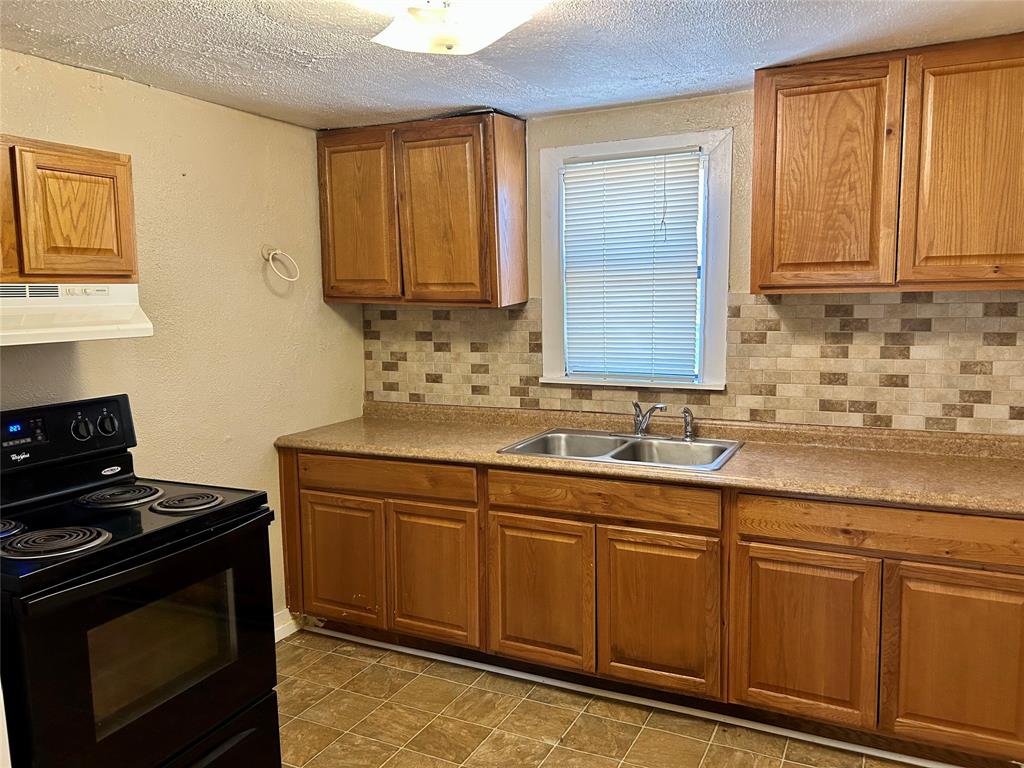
[632, 244]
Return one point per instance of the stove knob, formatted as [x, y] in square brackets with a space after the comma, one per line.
[81, 429]
[107, 424]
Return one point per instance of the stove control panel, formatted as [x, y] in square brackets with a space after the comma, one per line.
[34, 436]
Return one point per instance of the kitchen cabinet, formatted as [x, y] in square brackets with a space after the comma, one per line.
[827, 173]
[431, 211]
[899, 171]
[903, 623]
[433, 557]
[963, 164]
[343, 558]
[805, 632]
[659, 609]
[542, 590]
[359, 215]
[67, 214]
[953, 656]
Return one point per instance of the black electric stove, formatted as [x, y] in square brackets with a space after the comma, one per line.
[137, 613]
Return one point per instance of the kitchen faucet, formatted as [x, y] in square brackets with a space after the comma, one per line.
[642, 418]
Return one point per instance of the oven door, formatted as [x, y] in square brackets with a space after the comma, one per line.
[132, 667]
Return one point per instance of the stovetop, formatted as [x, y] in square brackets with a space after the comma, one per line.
[149, 514]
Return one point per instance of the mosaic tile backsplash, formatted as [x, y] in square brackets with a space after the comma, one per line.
[951, 361]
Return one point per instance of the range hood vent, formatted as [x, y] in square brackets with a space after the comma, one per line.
[40, 313]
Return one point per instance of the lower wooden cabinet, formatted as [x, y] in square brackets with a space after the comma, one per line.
[953, 656]
[343, 558]
[805, 632]
[659, 609]
[433, 556]
[542, 590]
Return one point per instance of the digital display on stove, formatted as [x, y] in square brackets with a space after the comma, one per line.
[23, 432]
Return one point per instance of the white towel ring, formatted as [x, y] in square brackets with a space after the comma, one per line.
[273, 256]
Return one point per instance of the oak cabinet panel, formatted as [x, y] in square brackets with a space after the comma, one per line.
[902, 171]
[805, 632]
[963, 165]
[953, 656]
[74, 211]
[359, 215]
[343, 558]
[827, 174]
[444, 215]
[433, 556]
[542, 590]
[432, 211]
[659, 609]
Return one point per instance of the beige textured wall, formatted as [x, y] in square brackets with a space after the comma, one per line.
[238, 357]
[638, 121]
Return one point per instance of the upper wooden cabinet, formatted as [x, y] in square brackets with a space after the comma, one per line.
[431, 212]
[963, 164]
[359, 215]
[828, 171]
[68, 214]
[831, 211]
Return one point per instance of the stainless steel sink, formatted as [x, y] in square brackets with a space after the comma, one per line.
[582, 445]
[570, 444]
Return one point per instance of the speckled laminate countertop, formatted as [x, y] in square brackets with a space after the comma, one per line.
[993, 486]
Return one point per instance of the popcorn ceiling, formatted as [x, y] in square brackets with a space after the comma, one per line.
[311, 62]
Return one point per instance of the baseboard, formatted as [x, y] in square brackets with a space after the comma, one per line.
[284, 625]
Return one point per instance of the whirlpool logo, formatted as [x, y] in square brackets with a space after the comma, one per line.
[20, 456]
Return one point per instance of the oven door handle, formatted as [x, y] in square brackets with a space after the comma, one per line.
[87, 589]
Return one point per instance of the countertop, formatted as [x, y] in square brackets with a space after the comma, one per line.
[976, 484]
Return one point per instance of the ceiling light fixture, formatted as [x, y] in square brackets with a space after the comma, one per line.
[457, 27]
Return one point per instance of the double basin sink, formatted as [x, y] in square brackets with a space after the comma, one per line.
[650, 451]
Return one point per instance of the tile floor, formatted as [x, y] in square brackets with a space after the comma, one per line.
[348, 705]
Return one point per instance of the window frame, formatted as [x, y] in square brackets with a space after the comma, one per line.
[717, 146]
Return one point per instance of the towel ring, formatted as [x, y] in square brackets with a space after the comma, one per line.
[273, 256]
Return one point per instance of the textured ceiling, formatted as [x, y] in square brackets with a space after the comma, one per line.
[311, 62]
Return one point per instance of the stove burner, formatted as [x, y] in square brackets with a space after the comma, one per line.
[10, 527]
[117, 496]
[187, 503]
[51, 542]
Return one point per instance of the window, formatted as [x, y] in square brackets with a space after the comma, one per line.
[635, 261]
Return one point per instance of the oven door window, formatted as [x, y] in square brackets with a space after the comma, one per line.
[153, 652]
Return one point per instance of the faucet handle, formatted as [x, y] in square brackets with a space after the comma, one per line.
[638, 409]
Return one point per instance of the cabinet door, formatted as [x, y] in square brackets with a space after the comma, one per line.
[343, 558]
[963, 164]
[826, 174]
[542, 590]
[446, 218]
[358, 215]
[806, 630]
[659, 609]
[76, 213]
[434, 575]
[953, 657]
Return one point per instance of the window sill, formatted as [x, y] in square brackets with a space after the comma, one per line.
[626, 384]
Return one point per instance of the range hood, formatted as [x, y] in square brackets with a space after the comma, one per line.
[41, 313]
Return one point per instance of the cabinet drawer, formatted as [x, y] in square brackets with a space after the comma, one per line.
[651, 502]
[388, 478]
[995, 541]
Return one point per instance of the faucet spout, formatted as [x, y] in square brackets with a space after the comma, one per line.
[687, 424]
[642, 418]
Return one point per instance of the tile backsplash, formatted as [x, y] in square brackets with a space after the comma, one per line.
[951, 361]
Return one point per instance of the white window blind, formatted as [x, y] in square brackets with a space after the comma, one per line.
[632, 249]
